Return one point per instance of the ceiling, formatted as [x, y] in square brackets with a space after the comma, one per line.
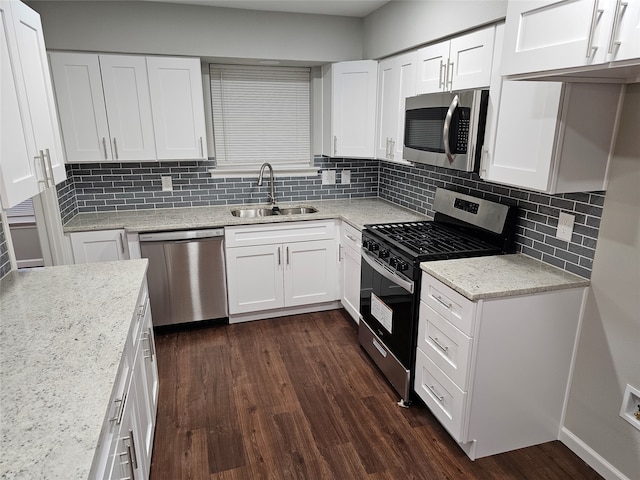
[348, 8]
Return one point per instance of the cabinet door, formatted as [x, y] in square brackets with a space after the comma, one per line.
[98, 246]
[396, 82]
[353, 109]
[545, 35]
[624, 38]
[470, 60]
[144, 421]
[128, 102]
[525, 134]
[83, 114]
[254, 278]
[18, 168]
[36, 78]
[178, 107]
[431, 67]
[127, 459]
[311, 270]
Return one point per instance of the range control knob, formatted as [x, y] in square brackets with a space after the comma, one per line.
[393, 262]
[374, 247]
[383, 253]
[402, 266]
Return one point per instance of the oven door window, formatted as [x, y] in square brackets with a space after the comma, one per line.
[389, 310]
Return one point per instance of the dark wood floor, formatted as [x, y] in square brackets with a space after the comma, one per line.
[296, 398]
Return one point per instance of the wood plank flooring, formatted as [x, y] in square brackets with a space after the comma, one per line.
[297, 398]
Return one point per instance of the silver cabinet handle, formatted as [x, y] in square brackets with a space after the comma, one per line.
[115, 148]
[392, 145]
[435, 394]
[340, 253]
[48, 155]
[45, 180]
[439, 299]
[121, 235]
[447, 126]
[352, 238]
[440, 346]
[335, 145]
[104, 147]
[450, 74]
[151, 350]
[287, 255]
[279, 259]
[201, 148]
[120, 402]
[616, 23]
[134, 458]
[594, 19]
[442, 78]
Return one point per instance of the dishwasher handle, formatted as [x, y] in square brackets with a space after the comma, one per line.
[181, 235]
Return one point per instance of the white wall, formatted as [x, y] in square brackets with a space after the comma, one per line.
[608, 355]
[400, 25]
[178, 29]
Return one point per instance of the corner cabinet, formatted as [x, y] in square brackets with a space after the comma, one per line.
[279, 266]
[31, 157]
[544, 35]
[349, 109]
[461, 63]
[350, 245]
[126, 442]
[396, 82]
[494, 372]
[129, 108]
[99, 246]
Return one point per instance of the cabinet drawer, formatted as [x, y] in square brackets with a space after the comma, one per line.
[455, 308]
[269, 234]
[445, 400]
[351, 237]
[445, 345]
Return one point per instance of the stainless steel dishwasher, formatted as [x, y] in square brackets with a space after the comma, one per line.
[186, 276]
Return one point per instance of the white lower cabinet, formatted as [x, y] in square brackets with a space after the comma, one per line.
[494, 371]
[277, 266]
[350, 244]
[99, 246]
[126, 442]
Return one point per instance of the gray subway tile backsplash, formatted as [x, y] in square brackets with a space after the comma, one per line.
[109, 187]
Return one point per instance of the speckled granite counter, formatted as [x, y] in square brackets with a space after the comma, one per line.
[356, 212]
[501, 276]
[62, 333]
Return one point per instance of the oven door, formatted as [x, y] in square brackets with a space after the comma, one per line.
[387, 306]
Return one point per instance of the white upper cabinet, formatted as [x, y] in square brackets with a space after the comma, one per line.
[178, 107]
[396, 82]
[30, 151]
[548, 137]
[458, 64]
[129, 108]
[349, 109]
[545, 35]
[128, 103]
[81, 106]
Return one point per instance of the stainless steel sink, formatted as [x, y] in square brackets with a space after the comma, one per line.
[266, 211]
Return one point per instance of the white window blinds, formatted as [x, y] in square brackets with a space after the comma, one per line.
[261, 114]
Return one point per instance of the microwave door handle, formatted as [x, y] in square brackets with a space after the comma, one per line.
[446, 128]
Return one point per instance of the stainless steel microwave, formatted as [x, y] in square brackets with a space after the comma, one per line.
[446, 129]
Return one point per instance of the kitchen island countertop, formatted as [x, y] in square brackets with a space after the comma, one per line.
[62, 334]
[501, 276]
[356, 212]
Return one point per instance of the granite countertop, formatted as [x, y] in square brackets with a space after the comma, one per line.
[501, 276]
[62, 334]
[356, 212]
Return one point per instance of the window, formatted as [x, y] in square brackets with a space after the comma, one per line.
[261, 114]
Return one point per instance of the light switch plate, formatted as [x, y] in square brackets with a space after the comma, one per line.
[167, 184]
[565, 226]
[328, 177]
[345, 176]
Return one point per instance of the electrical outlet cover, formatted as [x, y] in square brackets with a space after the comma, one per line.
[631, 406]
[565, 226]
[328, 177]
[345, 177]
[167, 184]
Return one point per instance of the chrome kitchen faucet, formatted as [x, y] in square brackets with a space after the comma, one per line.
[272, 187]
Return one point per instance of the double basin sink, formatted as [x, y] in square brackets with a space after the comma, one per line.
[268, 211]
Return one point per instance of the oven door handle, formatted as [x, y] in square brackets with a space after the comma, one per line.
[407, 285]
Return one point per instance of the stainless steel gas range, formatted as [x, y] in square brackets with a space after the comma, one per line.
[463, 226]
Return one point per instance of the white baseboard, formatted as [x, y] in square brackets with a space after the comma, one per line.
[590, 456]
[316, 307]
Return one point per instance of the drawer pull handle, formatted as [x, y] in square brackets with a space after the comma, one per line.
[380, 348]
[440, 346]
[440, 300]
[435, 394]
